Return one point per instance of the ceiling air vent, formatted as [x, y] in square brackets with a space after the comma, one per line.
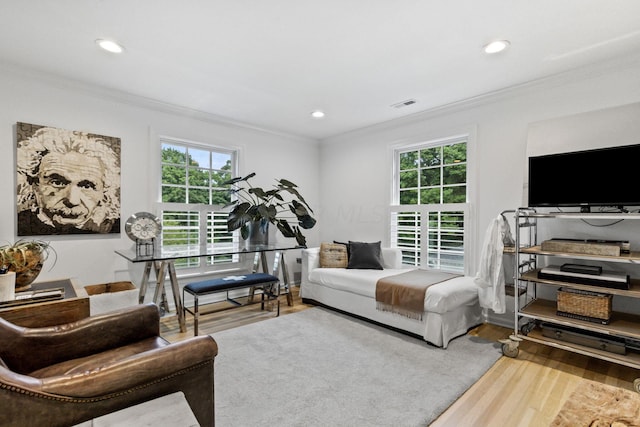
[404, 103]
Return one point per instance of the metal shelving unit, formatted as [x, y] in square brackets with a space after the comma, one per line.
[533, 311]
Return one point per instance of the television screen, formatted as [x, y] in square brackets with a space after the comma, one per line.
[602, 177]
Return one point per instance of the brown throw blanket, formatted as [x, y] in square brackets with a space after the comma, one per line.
[404, 293]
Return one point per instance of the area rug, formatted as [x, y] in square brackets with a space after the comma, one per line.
[594, 404]
[321, 368]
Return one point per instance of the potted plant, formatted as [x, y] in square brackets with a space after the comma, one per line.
[25, 258]
[254, 206]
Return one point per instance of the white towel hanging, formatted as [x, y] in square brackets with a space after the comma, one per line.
[490, 277]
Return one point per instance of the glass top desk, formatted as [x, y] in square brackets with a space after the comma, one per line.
[162, 261]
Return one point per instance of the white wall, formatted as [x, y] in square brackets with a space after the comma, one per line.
[356, 168]
[349, 186]
[33, 98]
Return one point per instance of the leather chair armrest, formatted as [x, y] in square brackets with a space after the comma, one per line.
[135, 371]
[24, 382]
[34, 348]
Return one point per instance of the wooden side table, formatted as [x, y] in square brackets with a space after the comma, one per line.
[48, 313]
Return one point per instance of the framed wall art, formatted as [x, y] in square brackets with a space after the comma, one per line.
[68, 182]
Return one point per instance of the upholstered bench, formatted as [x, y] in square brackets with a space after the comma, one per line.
[270, 288]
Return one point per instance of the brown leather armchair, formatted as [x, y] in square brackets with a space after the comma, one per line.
[66, 374]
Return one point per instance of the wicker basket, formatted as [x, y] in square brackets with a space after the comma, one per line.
[584, 305]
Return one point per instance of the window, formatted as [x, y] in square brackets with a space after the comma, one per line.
[433, 175]
[193, 197]
[430, 207]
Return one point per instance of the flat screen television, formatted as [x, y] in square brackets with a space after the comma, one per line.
[601, 177]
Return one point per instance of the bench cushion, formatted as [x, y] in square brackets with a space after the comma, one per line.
[229, 282]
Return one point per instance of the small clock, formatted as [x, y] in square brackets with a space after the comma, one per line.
[143, 228]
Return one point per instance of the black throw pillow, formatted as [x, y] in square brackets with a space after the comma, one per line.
[365, 255]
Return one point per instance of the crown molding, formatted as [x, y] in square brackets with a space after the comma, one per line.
[555, 80]
[103, 92]
[549, 82]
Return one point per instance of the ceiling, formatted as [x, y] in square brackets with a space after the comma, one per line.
[271, 63]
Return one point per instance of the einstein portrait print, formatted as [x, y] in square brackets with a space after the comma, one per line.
[68, 182]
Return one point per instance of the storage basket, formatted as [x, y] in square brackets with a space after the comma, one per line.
[584, 305]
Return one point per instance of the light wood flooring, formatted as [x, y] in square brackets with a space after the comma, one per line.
[516, 392]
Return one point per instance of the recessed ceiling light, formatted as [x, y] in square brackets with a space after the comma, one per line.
[496, 46]
[109, 45]
[317, 114]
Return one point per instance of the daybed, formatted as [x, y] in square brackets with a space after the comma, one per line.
[451, 308]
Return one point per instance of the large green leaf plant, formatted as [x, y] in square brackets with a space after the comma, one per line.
[256, 205]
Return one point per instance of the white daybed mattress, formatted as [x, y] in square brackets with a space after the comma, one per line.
[451, 307]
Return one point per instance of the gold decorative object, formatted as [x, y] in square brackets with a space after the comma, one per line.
[26, 258]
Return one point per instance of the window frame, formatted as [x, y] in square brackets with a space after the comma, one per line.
[204, 265]
[415, 144]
